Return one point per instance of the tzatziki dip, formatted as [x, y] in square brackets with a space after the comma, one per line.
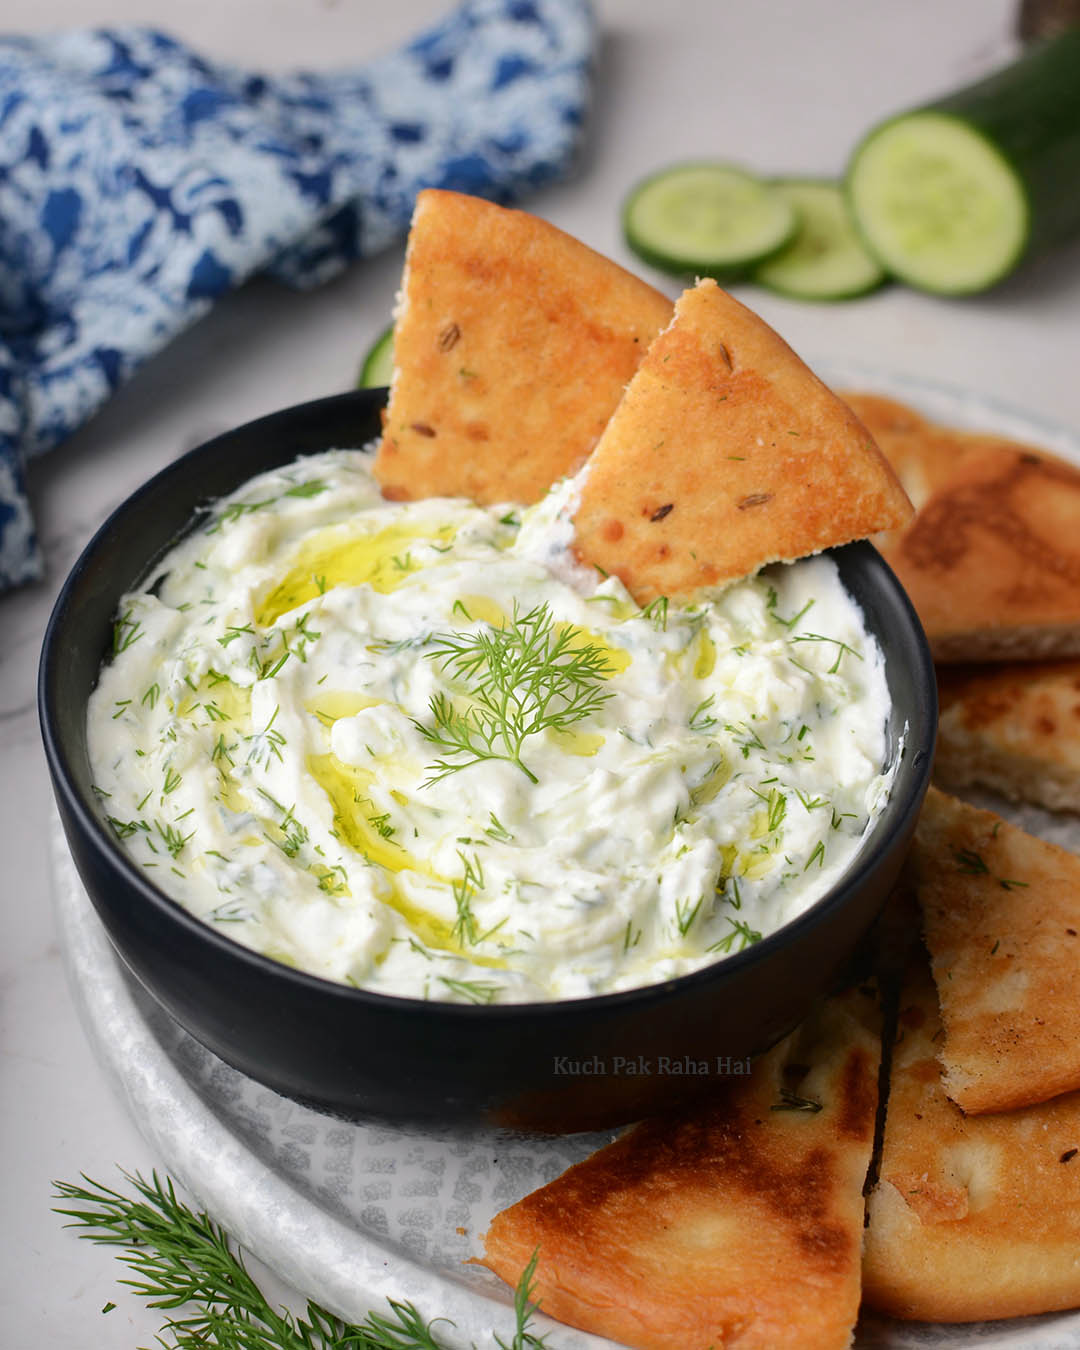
[421, 749]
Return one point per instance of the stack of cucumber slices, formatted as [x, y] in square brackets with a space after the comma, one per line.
[792, 235]
[949, 198]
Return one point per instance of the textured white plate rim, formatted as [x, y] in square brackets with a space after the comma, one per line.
[310, 1248]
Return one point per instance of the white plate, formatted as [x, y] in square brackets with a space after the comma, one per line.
[349, 1214]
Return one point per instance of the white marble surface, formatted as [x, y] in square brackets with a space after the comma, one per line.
[785, 85]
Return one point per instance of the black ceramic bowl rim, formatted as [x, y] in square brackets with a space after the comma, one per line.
[894, 819]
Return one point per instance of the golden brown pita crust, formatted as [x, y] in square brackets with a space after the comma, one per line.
[1013, 727]
[1001, 917]
[922, 454]
[973, 1216]
[727, 453]
[512, 345]
[992, 559]
[732, 1224]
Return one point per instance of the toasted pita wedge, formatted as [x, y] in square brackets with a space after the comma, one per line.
[727, 453]
[992, 559]
[738, 1223]
[1001, 917]
[922, 454]
[973, 1217]
[1013, 727]
[512, 345]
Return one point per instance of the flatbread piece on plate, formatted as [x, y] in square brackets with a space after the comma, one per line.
[973, 1217]
[992, 559]
[512, 345]
[1001, 918]
[738, 1222]
[1013, 727]
[727, 453]
[921, 453]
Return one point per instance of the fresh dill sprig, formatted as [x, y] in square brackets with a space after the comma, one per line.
[187, 1265]
[523, 1311]
[526, 676]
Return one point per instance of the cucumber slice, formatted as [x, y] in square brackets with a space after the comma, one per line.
[826, 260]
[379, 363]
[709, 219]
[938, 204]
[952, 196]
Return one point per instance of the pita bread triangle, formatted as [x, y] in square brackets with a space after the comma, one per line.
[727, 453]
[512, 345]
[992, 559]
[1012, 726]
[1001, 918]
[737, 1222]
[973, 1217]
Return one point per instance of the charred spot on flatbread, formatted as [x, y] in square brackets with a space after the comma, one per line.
[512, 345]
[726, 453]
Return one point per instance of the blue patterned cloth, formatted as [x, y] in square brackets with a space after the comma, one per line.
[139, 181]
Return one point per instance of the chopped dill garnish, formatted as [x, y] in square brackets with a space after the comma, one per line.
[656, 612]
[818, 856]
[498, 830]
[741, 933]
[173, 840]
[266, 742]
[475, 991]
[685, 915]
[700, 718]
[842, 648]
[791, 1101]
[126, 632]
[311, 488]
[465, 889]
[970, 862]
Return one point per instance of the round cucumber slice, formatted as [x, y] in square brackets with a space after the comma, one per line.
[709, 219]
[379, 363]
[826, 260]
[938, 204]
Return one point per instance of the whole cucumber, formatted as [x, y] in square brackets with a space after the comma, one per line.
[953, 196]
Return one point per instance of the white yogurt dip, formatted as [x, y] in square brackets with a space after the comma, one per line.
[292, 738]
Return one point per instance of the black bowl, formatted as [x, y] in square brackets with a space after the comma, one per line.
[578, 1064]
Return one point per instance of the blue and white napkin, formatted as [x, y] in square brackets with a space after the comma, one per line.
[139, 181]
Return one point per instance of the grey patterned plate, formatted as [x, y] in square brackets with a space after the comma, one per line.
[349, 1214]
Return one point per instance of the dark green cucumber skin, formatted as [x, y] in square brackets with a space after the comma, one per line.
[1031, 112]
